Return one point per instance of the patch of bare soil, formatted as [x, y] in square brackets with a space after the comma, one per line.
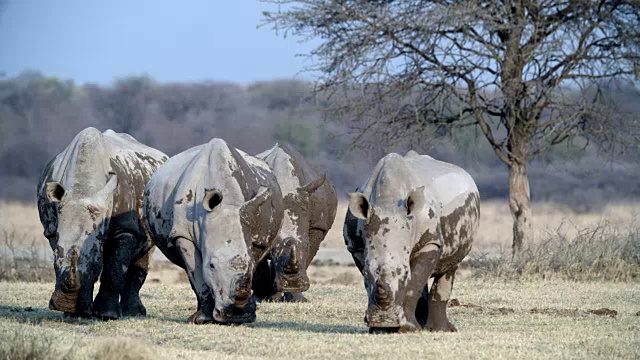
[485, 309]
[575, 312]
[545, 311]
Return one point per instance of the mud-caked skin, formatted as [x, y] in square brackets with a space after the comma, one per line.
[310, 204]
[215, 212]
[415, 218]
[90, 205]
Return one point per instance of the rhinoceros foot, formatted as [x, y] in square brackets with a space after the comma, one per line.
[133, 308]
[410, 324]
[294, 297]
[200, 318]
[437, 319]
[106, 306]
[445, 326]
[76, 316]
[277, 297]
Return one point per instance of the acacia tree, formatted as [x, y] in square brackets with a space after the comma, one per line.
[523, 71]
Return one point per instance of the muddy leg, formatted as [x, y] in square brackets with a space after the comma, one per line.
[192, 264]
[359, 259]
[130, 302]
[422, 266]
[438, 299]
[117, 257]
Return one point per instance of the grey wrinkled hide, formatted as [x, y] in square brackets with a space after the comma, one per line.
[215, 212]
[413, 219]
[90, 205]
[310, 204]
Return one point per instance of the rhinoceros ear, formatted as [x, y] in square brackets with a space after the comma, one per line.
[314, 185]
[55, 191]
[359, 205]
[415, 201]
[212, 198]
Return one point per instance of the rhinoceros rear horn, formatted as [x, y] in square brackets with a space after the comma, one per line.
[212, 198]
[55, 191]
[261, 196]
[359, 205]
[109, 188]
[313, 185]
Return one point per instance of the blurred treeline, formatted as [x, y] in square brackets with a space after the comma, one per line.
[39, 115]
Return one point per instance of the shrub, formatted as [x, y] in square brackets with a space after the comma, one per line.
[601, 253]
[23, 263]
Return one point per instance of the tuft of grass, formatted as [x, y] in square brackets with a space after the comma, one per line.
[603, 252]
[23, 344]
[123, 349]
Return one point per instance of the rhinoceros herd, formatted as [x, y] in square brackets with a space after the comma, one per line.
[245, 228]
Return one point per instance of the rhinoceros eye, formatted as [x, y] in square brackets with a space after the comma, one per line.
[94, 211]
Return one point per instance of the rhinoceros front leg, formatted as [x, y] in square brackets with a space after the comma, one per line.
[192, 264]
[263, 284]
[118, 253]
[422, 266]
[130, 302]
[438, 299]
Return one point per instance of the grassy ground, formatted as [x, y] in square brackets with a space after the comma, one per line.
[497, 319]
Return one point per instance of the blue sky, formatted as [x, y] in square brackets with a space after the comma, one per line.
[99, 40]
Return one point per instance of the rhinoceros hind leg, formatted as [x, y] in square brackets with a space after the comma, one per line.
[295, 297]
[438, 299]
[130, 302]
[192, 264]
[118, 253]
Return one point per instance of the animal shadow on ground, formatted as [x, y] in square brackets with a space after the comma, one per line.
[284, 325]
[310, 327]
[36, 316]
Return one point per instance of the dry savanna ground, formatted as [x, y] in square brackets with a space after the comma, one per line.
[496, 318]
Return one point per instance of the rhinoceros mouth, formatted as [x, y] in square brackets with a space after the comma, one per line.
[389, 318]
[64, 301]
[233, 316]
[292, 283]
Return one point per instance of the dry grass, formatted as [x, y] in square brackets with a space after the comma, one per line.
[495, 224]
[498, 319]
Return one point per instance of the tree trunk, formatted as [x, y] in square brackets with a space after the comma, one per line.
[519, 200]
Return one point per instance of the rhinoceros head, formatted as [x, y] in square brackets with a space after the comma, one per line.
[82, 222]
[291, 251]
[226, 248]
[390, 230]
